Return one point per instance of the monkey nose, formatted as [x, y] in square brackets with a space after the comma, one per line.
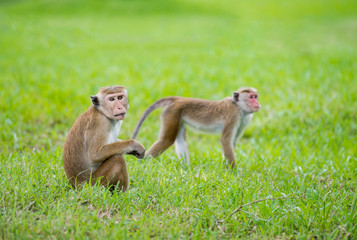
[119, 106]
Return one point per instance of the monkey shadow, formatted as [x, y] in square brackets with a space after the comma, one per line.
[197, 165]
[178, 164]
[94, 185]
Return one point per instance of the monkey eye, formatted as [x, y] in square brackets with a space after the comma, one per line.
[120, 97]
[251, 96]
[111, 99]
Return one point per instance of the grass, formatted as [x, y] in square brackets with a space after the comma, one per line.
[300, 55]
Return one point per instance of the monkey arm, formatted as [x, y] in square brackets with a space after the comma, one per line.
[227, 143]
[120, 147]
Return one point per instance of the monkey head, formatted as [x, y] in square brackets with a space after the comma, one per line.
[247, 99]
[112, 102]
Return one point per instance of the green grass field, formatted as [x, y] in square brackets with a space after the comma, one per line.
[301, 56]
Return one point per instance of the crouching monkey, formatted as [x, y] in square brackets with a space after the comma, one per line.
[92, 150]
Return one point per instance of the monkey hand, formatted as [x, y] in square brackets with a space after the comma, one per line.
[138, 150]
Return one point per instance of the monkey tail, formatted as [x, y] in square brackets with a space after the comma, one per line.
[159, 103]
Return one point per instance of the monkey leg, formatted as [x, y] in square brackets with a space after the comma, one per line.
[181, 145]
[112, 171]
[170, 125]
[227, 142]
[228, 152]
[158, 147]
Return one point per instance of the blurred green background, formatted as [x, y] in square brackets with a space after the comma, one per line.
[301, 56]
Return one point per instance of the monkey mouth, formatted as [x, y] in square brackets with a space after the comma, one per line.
[121, 115]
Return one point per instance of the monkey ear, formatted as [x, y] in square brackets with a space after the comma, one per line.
[95, 100]
[236, 96]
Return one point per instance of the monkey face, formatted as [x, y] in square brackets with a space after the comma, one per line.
[116, 105]
[248, 101]
[113, 106]
[253, 101]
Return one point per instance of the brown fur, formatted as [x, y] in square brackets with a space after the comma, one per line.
[90, 152]
[231, 115]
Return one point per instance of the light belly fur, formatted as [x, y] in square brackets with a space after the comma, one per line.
[210, 128]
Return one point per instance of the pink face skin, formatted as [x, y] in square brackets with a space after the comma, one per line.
[116, 103]
[253, 101]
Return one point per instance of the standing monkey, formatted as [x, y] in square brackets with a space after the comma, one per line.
[229, 116]
[92, 150]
